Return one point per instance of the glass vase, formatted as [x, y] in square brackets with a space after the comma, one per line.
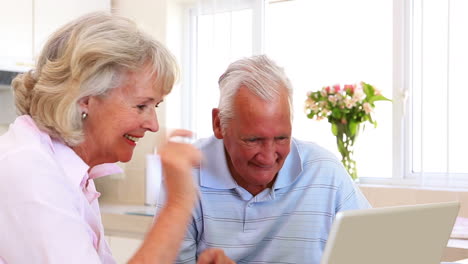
[346, 135]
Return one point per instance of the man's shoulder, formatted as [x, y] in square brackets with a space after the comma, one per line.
[311, 151]
[210, 146]
[205, 142]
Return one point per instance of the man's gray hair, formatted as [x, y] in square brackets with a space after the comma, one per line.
[259, 75]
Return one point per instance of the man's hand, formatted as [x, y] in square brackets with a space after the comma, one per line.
[214, 256]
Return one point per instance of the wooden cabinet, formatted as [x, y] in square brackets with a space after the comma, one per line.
[16, 32]
[51, 14]
[25, 25]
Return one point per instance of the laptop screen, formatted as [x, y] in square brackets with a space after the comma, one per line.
[414, 234]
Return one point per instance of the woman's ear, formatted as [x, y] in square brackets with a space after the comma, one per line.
[217, 130]
[83, 103]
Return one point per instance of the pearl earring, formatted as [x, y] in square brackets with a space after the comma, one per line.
[84, 115]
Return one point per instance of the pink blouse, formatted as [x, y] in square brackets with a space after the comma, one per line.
[49, 212]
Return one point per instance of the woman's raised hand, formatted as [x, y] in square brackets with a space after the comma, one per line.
[177, 161]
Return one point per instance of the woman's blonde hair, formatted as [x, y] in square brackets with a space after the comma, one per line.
[87, 57]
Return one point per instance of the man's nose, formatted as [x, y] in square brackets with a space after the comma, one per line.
[268, 154]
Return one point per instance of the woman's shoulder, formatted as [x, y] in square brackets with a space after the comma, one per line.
[24, 152]
[23, 136]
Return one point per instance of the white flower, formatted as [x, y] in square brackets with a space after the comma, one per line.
[367, 108]
[323, 92]
[377, 91]
[349, 103]
[311, 104]
[358, 94]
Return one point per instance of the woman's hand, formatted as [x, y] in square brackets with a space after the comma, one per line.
[214, 256]
[163, 239]
[177, 161]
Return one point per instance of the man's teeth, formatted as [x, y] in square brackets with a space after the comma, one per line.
[134, 139]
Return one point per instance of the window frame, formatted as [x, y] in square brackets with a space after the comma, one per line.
[191, 59]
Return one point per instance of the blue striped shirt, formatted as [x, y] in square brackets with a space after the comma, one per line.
[288, 223]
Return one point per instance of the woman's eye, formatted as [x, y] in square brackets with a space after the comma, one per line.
[141, 107]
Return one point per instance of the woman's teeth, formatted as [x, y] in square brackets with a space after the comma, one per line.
[134, 139]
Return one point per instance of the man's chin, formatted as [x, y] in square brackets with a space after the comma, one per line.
[264, 179]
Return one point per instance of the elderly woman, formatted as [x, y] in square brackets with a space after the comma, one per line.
[89, 100]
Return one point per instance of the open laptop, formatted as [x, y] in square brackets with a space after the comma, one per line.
[414, 234]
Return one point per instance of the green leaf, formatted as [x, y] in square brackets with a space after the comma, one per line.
[372, 121]
[368, 89]
[352, 128]
[378, 98]
[336, 113]
[334, 128]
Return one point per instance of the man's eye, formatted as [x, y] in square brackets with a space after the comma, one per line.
[141, 107]
[251, 140]
[282, 140]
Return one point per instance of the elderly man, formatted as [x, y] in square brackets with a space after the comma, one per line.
[265, 197]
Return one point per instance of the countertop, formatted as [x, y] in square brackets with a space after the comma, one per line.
[132, 221]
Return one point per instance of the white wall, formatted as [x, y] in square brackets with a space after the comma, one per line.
[151, 15]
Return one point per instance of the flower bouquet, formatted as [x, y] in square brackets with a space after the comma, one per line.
[345, 108]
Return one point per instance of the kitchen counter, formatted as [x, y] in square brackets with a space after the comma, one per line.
[131, 221]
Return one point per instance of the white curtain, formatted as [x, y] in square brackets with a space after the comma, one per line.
[221, 33]
[439, 66]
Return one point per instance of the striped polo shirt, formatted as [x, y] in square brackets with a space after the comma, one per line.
[288, 223]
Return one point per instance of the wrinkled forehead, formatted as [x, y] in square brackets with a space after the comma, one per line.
[145, 75]
[139, 84]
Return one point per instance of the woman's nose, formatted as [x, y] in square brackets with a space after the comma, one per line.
[151, 123]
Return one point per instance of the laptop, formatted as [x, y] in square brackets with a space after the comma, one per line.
[413, 234]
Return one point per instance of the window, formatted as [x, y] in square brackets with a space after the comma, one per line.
[221, 33]
[327, 42]
[438, 66]
[411, 50]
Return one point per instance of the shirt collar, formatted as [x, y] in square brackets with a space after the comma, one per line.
[292, 168]
[214, 171]
[26, 122]
[73, 166]
[76, 169]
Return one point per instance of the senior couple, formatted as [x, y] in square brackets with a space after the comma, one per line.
[265, 197]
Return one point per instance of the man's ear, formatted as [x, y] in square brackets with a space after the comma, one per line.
[218, 132]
